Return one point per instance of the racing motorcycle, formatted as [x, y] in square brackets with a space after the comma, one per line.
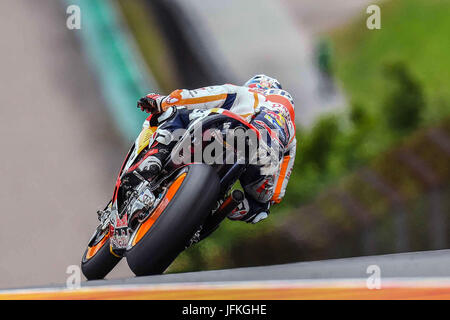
[150, 222]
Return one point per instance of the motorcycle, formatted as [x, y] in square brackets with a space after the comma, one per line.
[150, 222]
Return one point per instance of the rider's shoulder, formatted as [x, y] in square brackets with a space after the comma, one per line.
[233, 88]
[230, 86]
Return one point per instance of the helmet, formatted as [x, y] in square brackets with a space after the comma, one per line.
[283, 99]
[263, 82]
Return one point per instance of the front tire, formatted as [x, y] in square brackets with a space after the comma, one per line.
[174, 226]
[97, 260]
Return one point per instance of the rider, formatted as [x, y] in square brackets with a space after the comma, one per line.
[261, 102]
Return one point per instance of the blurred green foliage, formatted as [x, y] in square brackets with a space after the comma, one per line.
[413, 32]
[319, 143]
[324, 56]
[405, 101]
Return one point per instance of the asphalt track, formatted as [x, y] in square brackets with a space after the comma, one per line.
[416, 275]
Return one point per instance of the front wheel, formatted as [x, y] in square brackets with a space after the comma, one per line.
[187, 202]
[98, 260]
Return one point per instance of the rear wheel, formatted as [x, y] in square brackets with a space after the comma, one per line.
[98, 260]
[160, 238]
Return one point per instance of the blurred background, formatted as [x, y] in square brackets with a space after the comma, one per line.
[373, 108]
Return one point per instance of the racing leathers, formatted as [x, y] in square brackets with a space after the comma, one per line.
[270, 111]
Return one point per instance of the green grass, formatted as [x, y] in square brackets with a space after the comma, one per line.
[416, 32]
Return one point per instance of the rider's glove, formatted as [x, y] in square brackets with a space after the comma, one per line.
[151, 103]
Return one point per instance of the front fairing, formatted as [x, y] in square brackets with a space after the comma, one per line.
[119, 230]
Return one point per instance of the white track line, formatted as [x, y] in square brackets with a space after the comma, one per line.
[350, 283]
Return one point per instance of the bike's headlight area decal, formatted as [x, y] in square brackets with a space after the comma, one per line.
[144, 139]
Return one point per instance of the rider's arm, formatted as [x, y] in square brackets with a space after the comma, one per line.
[226, 96]
[239, 100]
[285, 172]
[203, 98]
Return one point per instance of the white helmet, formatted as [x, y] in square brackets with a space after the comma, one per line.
[263, 82]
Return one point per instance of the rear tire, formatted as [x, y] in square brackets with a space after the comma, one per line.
[173, 229]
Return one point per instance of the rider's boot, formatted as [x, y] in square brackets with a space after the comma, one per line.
[151, 165]
[250, 211]
[152, 162]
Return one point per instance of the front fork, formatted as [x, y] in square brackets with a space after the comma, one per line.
[141, 201]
